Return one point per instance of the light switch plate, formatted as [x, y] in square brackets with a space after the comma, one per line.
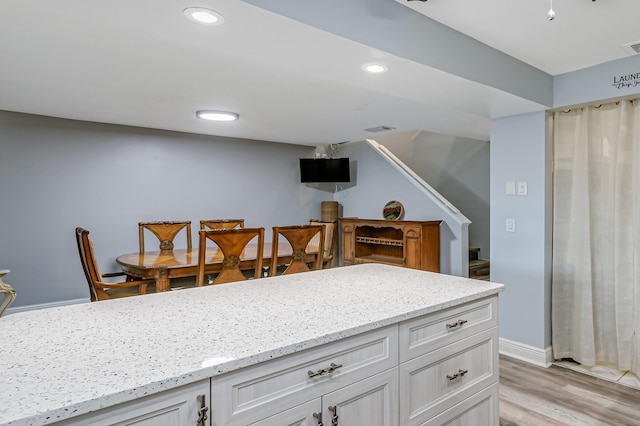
[522, 188]
[511, 188]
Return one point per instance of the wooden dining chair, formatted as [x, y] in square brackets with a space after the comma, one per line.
[298, 237]
[165, 232]
[330, 240]
[98, 288]
[222, 224]
[232, 243]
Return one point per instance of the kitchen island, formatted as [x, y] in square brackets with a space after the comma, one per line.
[264, 351]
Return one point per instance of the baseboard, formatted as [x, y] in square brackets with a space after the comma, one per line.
[526, 353]
[17, 309]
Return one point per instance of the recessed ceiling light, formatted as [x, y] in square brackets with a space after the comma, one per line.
[201, 15]
[217, 115]
[375, 68]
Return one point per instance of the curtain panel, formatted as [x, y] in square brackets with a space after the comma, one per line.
[596, 235]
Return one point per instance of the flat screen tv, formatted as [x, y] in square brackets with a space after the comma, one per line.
[317, 170]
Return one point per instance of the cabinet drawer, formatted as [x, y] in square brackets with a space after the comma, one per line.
[259, 391]
[425, 334]
[174, 407]
[479, 410]
[301, 415]
[445, 377]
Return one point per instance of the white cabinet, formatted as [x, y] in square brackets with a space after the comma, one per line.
[183, 406]
[450, 357]
[307, 414]
[258, 392]
[480, 409]
[435, 370]
[369, 402]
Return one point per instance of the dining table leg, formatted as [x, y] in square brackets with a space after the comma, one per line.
[161, 275]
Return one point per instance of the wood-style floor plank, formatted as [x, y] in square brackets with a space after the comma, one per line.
[556, 396]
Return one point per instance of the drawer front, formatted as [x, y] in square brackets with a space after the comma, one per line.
[172, 407]
[437, 381]
[425, 334]
[260, 391]
[301, 415]
[479, 410]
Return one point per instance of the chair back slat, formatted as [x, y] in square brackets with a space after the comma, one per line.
[222, 224]
[299, 238]
[232, 243]
[330, 239]
[165, 232]
[89, 264]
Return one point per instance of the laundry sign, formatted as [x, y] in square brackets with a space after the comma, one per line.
[626, 81]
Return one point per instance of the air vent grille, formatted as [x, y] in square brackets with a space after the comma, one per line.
[632, 47]
[379, 129]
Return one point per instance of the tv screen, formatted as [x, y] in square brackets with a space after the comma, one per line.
[324, 170]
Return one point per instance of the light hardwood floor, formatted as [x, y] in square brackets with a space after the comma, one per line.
[537, 396]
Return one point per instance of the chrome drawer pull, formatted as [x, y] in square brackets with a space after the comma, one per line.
[318, 417]
[202, 411]
[457, 324]
[332, 367]
[458, 375]
[334, 415]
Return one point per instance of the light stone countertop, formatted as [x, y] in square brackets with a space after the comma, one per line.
[61, 362]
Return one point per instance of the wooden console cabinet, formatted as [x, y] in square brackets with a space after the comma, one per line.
[412, 244]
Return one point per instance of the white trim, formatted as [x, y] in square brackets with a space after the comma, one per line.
[459, 249]
[17, 309]
[526, 353]
[416, 180]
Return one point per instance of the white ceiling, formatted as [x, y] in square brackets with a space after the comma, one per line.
[142, 63]
[583, 33]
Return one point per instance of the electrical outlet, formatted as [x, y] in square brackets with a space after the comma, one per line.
[511, 225]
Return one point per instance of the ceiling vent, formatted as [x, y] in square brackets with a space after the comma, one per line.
[379, 129]
[632, 48]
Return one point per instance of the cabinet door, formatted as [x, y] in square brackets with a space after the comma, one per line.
[307, 414]
[412, 247]
[176, 407]
[348, 248]
[369, 402]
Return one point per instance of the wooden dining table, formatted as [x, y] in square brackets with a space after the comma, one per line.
[164, 265]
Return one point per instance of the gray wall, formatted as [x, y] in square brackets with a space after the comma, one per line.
[595, 83]
[58, 174]
[521, 152]
[458, 168]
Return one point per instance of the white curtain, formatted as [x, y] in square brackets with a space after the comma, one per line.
[596, 235]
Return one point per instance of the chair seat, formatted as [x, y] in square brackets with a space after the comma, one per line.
[118, 293]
